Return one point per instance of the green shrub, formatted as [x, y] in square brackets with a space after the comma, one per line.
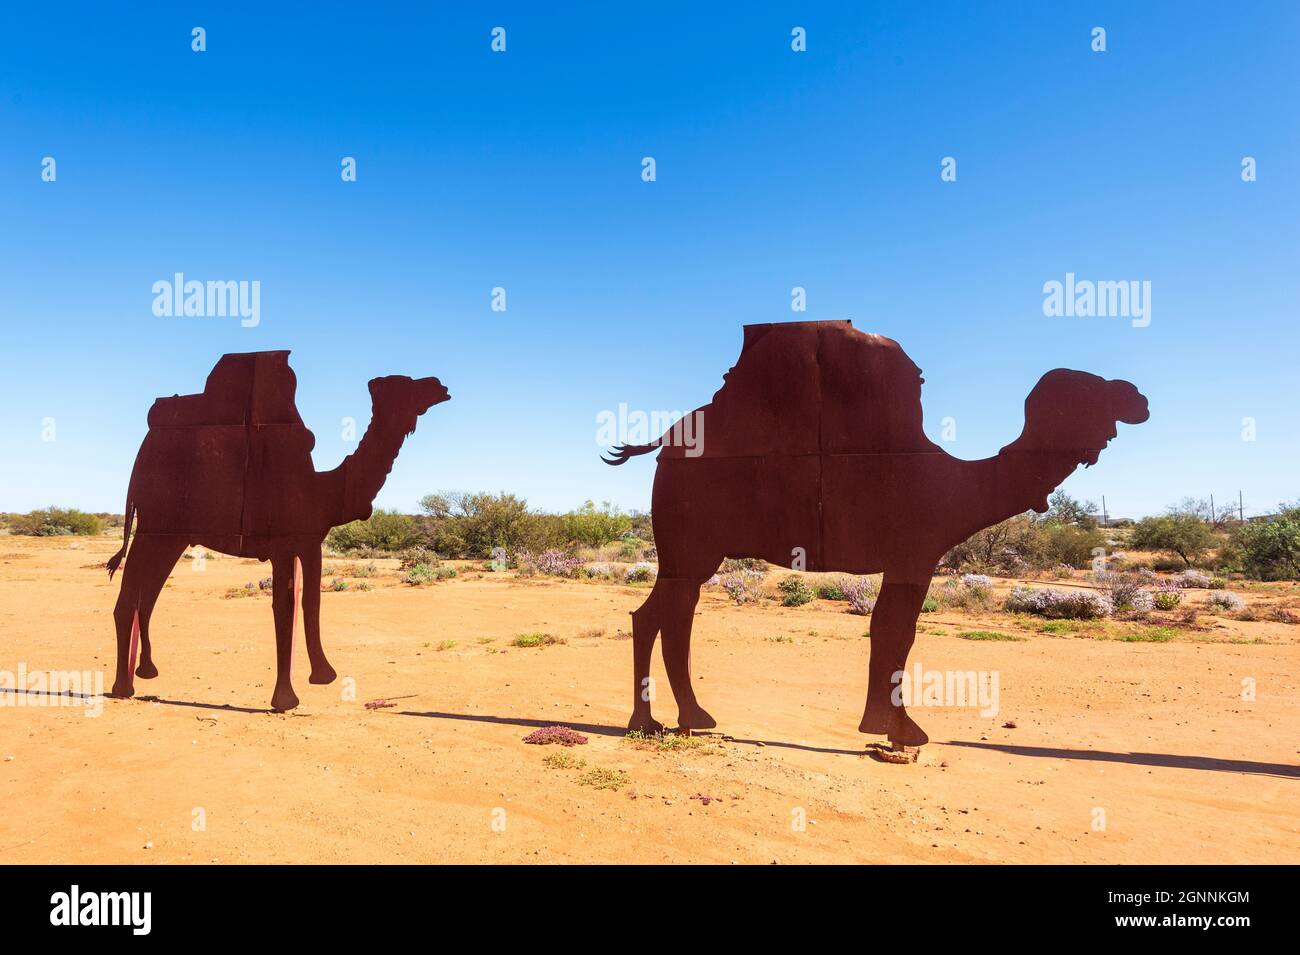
[56, 522]
[795, 592]
[1180, 533]
[386, 531]
[464, 524]
[832, 589]
[595, 526]
[419, 574]
[418, 555]
[1026, 542]
[1148, 635]
[601, 778]
[526, 640]
[987, 635]
[1270, 550]
[1167, 599]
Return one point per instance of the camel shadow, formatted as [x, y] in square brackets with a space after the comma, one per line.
[52, 694]
[595, 729]
[780, 744]
[223, 707]
[1162, 760]
[600, 729]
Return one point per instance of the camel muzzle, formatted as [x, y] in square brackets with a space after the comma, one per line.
[431, 391]
[1129, 404]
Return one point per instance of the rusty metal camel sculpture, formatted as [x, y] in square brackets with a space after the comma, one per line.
[231, 469]
[814, 447]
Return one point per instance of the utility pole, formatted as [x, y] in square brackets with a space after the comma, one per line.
[1105, 519]
[1211, 508]
[1241, 509]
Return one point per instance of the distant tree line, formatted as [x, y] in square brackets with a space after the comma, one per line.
[470, 525]
[461, 524]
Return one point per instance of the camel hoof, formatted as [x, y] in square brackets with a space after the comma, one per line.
[895, 724]
[325, 674]
[146, 671]
[644, 724]
[695, 719]
[283, 700]
[904, 732]
[122, 691]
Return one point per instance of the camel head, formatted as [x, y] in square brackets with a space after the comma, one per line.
[1070, 417]
[398, 400]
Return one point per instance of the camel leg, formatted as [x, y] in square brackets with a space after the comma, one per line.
[321, 671]
[680, 599]
[645, 627]
[283, 572]
[172, 551]
[893, 630]
[151, 559]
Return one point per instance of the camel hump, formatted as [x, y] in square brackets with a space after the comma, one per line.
[812, 388]
[252, 388]
[232, 460]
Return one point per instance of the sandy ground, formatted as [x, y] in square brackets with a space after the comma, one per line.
[1121, 752]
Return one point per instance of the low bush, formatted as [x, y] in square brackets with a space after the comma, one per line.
[411, 556]
[1059, 604]
[1166, 599]
[640, 572]
[831, 589]
[557, 735]
[1224, 600]
[860, 593]
[419, 574]
[988, 635]
[743, 586]
[527, 640]
[956, 594]
[1128, 596]
[550, 563]
[1193, 579]
[795, 592]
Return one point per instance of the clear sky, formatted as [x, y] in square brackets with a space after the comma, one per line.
[522, 170]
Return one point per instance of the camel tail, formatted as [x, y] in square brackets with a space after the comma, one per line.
[116, 560]
[624, 451]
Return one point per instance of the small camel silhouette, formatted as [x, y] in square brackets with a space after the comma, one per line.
[814, 449]
[231, 469]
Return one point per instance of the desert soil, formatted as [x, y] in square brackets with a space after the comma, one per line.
[1120, 752]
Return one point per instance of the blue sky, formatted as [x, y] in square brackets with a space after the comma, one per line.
[522, 170]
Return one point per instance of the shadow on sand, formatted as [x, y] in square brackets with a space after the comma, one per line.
[1162, 760]
[598, 729]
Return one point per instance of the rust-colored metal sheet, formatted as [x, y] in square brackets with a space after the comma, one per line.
[231, 469]
[813, 455]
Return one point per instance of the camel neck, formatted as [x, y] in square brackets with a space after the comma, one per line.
[367, 468]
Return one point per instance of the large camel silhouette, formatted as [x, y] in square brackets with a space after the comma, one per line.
[231, 469]
[814, 449]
